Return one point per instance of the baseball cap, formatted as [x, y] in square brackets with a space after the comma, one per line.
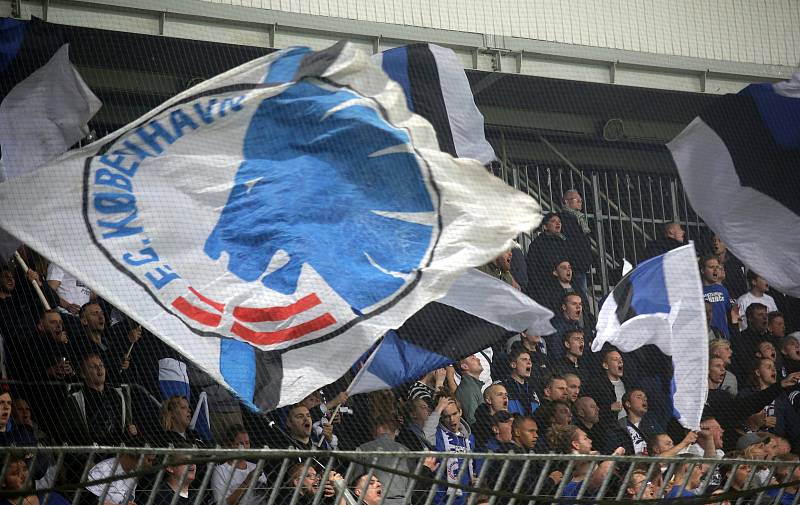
[502, 416]
[749, 439]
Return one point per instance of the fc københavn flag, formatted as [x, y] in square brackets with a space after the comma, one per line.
[660, 302]
[739, 165]
[437, 89]
[272, 222]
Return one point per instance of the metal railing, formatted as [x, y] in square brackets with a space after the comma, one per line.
[293, 476]
[625, 210]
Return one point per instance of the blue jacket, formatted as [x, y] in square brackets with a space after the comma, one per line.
[522, 398]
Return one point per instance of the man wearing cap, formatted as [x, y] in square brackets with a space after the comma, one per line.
[749, 439]
[501, 429]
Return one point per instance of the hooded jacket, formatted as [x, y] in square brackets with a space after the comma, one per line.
[445, 440]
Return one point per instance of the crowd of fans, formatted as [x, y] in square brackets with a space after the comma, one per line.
[82, 373]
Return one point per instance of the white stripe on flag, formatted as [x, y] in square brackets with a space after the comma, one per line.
[170, 369]
[466, 121]
[495, 301]
[40, 118]
[745, 218]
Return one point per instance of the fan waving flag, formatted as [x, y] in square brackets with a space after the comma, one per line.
[477, 311]
[273, 222]
[660, 302]
[746, 147]
[437, 89]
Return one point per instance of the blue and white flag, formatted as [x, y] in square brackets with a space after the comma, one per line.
[478, 311]
[660, 302]
[738, 163]
[436, 88]
[271, 223]
[173, 379]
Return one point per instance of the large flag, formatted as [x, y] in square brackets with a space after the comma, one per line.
[44, 103]
[660, 302]
[437, 89]
[273, 222]
[738, 162]
[478, 311]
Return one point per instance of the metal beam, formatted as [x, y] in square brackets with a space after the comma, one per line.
[467, 42]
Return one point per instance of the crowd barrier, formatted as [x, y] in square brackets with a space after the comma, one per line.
[535, 469]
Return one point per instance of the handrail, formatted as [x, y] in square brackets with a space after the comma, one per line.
[397, 465]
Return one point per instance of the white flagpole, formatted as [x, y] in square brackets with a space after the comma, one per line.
[35, 286]
[357, 377]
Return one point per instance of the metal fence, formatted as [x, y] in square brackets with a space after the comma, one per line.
[289, 477]
[625, 210]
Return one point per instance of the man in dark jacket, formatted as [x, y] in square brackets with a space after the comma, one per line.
[19, 303]
[524, 436]
[575, 228]
[571, 315]
[607, 388]
[559, 283]
[587, 418]
[20, 435]
[746, 344]
[672, 236]
[734, 269]
[548, 247]
[732, 411]
[411, 434]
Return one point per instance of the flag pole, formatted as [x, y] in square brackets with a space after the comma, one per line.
[36, 287]
[357, 377]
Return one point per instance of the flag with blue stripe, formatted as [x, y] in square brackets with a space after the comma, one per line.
[747, 148]
[173, 379]
[660, 302]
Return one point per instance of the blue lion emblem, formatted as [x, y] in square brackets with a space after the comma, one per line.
[311, 185]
